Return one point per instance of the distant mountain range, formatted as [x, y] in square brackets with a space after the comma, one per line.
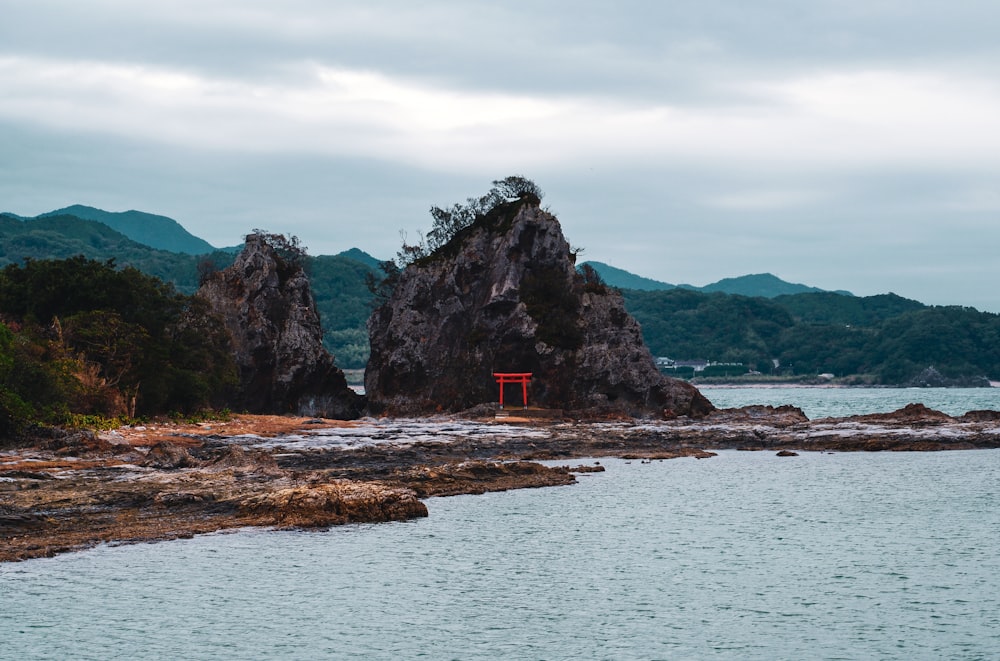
[56, 235]
[764, 285]
[148, 229]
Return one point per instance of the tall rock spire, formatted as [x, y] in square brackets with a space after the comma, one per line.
[266, 303]
[503, 295]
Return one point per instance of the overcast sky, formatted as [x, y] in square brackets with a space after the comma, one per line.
[848, 144]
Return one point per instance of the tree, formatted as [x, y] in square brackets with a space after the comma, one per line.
[448, 222]
[94, 339]
[289, 250]
[517, 187]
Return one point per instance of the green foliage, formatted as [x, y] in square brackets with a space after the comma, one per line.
[349, 346]
[290, 253]
[381, 287]
[890, 338]
[95, 422]
[341, 288]
[40, 291]
[148, 229]
[832, 308]
[623, 279]
[85, 338]
[111, 317]
[957, 341]
[450, 222]
[15, 415]
[680, 323]
[592, 281]
[517, 187]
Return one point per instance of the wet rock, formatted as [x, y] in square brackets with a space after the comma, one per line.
[167, 455]
[77, 442]
[333, 504]
[180, 498]
[481, 477]
[504, 296]
[266, 303]
[14, 522]
[583, 468]
[237, 457]
[980, 416]
[27, 475]
[787, 453]
[931, 378]
[780, 416]
[909, 415]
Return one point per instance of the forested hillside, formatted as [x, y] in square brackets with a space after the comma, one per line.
[62, 236]
[887, 338]
[81, 337]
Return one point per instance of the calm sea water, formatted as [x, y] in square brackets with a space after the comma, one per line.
[839, 402]
[742, 556]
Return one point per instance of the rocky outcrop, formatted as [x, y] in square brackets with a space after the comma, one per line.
[931, 378]
[911, 415]
[165, 455]
[780, 416]
[504, 296]
[481, 476]
[268, 308]
[336, 503]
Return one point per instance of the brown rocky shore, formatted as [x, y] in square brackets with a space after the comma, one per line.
[164, 481]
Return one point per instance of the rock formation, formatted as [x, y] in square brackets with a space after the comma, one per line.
[931, 378]
[503, 295]
[268, 308]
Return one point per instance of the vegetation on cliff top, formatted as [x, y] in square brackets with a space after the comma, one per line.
[498, 204]
[494, 210]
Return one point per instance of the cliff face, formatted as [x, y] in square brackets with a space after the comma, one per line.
[504, 296]
[268, 309]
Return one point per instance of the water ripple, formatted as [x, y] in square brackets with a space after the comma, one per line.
[744, 556]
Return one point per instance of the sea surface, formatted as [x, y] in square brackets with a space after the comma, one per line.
[742, 556]
[822, 402]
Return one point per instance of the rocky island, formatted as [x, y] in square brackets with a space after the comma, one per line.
[502, 294]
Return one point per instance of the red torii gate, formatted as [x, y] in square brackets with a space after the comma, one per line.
[514, 377]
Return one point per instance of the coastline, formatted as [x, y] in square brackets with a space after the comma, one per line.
[727, 386]
[167, 481]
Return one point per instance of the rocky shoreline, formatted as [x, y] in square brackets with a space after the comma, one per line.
[73, 491]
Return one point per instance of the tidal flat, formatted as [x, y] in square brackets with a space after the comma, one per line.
[167, 481]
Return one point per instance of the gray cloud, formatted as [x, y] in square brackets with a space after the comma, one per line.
[848, 145]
